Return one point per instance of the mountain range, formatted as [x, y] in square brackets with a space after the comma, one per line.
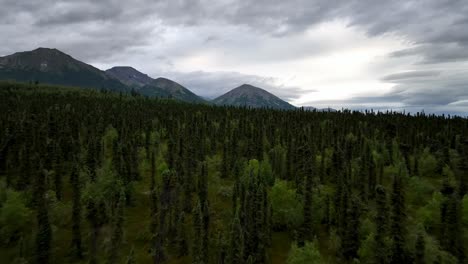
[52, 66]
[145, 85]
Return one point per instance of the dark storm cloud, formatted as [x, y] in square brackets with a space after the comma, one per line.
[424, 22]
[436, 53]
[83, 12]
[88, 30]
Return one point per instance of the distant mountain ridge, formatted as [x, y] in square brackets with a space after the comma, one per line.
[311, 108]
[251, 96]
[52, 66]
[160, 87]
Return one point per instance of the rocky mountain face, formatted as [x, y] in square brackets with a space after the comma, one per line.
[129, 76]
[251, 96]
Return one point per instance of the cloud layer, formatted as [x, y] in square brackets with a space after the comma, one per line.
[405, 54]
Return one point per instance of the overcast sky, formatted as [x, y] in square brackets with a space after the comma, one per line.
[357, 54]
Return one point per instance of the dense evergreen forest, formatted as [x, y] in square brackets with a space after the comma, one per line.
[97, 177]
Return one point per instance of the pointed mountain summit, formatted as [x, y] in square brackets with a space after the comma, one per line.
[129, 76]
[55, 67]
[251, 96]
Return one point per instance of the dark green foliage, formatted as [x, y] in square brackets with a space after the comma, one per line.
[205, 235]
[350, 240]
[453, 231]
[306, 232]
[44, 231]
[181, 237]
[381, 222]
[419, 250]
[197, 253]
[117, 230]
[236, 241]
[398, 218]
[159, 181]
[131, 257]
[76, 214]
[95, 219]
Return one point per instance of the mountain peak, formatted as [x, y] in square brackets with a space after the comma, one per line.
[123, 68]
[43, 60]
[45, 49]
[251, 96]
[52, 66]
[247, 86]
[45, 52]
[163, 80]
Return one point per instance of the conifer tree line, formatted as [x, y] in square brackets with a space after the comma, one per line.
[96, 177]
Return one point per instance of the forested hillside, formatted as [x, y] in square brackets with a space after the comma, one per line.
[99, 177]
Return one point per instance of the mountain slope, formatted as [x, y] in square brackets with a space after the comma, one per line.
[55, 67]
[160, 87]
[171, 89]
[251, 96]
[129, 76]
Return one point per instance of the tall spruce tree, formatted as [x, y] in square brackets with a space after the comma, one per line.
[117, 229]
[181, 236]
[398, 216]
[44, 231]
[197, 254]
[306, 231]
[350, 240]
[419, 250]
[236, 241]
[76, 213]
[381, 221]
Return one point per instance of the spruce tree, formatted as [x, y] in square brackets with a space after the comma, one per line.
[76, 214]
[93, 218]
[181, 237]
[454, 228]
[350, 241]
[419, 250]
[197, 245]
[117, 229]
[205, 233]
[236, 241]
[225, 161]
[44, 232]
[307, 228]
[381, 221]
[398, 216]
[57, 168]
